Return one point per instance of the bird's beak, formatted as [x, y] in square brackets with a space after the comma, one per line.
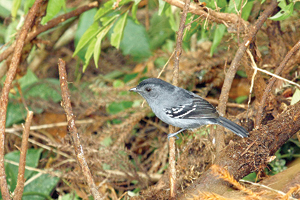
[133, 90]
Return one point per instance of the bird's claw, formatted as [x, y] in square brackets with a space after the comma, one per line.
[172, 135]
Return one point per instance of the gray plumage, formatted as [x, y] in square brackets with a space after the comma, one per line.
[181, 108]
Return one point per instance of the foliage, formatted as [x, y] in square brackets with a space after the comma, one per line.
[33, 189]
[32, 88]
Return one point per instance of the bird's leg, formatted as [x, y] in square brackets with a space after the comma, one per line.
[175, 134]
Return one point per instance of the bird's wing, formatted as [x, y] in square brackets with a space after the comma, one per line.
[197, 108]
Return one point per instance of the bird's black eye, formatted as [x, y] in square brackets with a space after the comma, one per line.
[148, 89]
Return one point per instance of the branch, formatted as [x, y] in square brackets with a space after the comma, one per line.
[229, 19]
[251, 154]
[22, 163]
[235, 64]
[65, 93]
[272, 82]
[177, 54]
[51, 24]
[6, 87]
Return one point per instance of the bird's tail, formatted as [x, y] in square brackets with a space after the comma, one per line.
[236, 129]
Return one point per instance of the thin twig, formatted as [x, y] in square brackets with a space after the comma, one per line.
[272, 81]
[235, 64]
[73, 130]
[209, 14]
[47, 171]
[46, 126]
[20, 183]
[177, 54]
[6, 88]
[44, 146]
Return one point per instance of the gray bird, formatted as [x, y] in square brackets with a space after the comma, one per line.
[181, 108]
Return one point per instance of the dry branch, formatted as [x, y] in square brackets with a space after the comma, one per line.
[20, 184]
[240, 160]
[6, 88]
[235, 64]
[177, 54]
[229, 19]
[272, 82]
[74, 132]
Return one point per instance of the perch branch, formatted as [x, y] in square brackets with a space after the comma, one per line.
[177, 54]
[240, 160]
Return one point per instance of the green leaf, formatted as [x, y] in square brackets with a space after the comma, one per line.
[5, 8]
[169, 13]
[106, 141]
[117, 35]
[10, 31]
[118, 83]
[27, 80]
[241, 73]
[28, 4]
[159, 31]
[89, 53]
[89, 35]
[296, 97]
[15, 8]
[117, 107]
[247, 10]
[161, 6]
[129, 45]
[46, 89]
[129, 77]
[32, 159]
[53, 8]
[218, 35]
[86, 19]
[108, 7]
[114, 75]
[97, 51]
[285, 12]
[233, 6]
[251, 177]
[100, 36]
[134, 10]
[241, 99]
[34, 191]
[15, 113]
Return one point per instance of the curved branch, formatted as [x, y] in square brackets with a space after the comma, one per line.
[272, 82]
[235, 64]
[248, 155]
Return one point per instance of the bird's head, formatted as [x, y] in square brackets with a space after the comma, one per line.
[153, 88]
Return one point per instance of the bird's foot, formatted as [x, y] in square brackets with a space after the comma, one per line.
[175, 134]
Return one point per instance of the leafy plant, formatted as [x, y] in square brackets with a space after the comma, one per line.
[33, 189]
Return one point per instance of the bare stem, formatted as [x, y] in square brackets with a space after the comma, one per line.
[65, 93]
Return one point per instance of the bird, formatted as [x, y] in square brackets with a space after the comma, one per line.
[181, 108]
